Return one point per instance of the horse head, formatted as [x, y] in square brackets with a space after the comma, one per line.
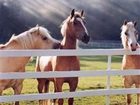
[129, 35]
[41, 38]
[75, 24]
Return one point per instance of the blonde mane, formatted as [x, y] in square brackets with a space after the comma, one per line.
[123, 38]
[25, 39]
[64, 26]
[40, 29]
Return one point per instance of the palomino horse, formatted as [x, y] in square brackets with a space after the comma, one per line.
[129, 36]
[35, 38]
[73, 28]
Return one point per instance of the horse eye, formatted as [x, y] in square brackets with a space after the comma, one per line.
[44, 38]
[126, 33]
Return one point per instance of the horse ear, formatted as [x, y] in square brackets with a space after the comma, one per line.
[72, 13]
[135, 23]
[37, 25]
[12, 37]
[82, 13]
[125, 22]
[38, 32]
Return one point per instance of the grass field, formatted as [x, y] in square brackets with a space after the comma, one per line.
[88, 83]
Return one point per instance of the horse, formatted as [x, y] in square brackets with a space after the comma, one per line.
[35, 38]
[129, 37]
[72, 28]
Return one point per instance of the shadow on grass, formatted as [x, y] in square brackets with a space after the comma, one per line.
[98, 86]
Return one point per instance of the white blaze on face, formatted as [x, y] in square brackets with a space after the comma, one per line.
[129, 33]
[81, 21]
[132, 38]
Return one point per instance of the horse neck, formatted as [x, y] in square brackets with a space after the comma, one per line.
[25, 41]
[19, 43]
[131, 62]
[69, 42]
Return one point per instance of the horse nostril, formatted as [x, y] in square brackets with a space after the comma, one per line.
[133, 49]
[86, 38]
[57, 45]
[133, 46]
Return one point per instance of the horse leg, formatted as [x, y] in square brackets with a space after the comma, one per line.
[1, 92]
[0, 95]
[138, 95]
[46, 86]
[73, 85]
[17, 90]
[46, 90]
[127, 85]
[58, 88]
[55, 89]
[41, 84]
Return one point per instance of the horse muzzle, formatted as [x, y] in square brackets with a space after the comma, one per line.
[133, 47]
[85, 38]
[56, 45]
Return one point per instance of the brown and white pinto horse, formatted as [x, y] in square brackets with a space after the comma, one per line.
[129, 36]
[73, 28]
[35, 38]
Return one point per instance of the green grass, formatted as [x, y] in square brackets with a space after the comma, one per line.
[88, 83]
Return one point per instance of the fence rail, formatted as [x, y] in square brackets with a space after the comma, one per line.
[80, 52]
[88, 52]
[85, 93]
[59, 74]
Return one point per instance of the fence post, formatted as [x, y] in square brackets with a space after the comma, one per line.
[108, 79]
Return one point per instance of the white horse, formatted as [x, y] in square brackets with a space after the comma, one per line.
[35, 38]
[129, 36]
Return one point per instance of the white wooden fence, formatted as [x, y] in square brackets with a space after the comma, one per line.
[79, 52]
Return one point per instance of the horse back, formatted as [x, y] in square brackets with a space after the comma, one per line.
[43, 63]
